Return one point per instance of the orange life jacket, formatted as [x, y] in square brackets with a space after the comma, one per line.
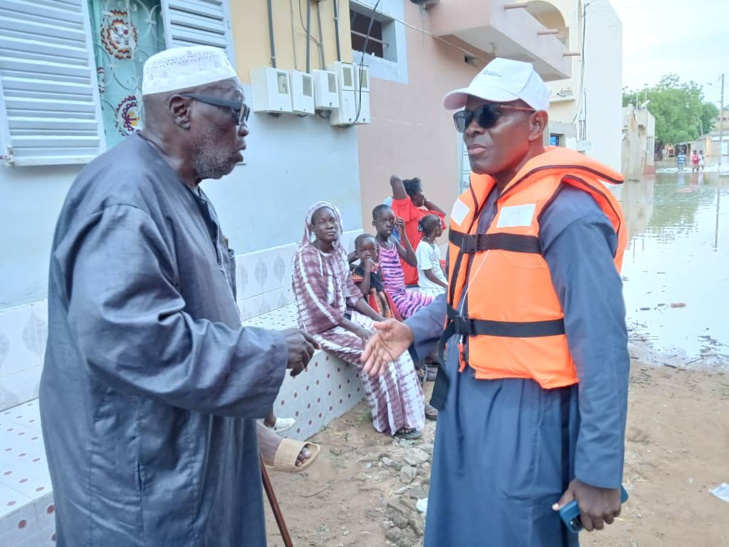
[501, 299]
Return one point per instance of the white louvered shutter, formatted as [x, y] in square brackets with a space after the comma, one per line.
[198, 22]
[50, 112]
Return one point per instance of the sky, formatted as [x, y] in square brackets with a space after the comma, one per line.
[688, 37]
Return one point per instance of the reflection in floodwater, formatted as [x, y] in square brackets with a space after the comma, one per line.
[676, 266]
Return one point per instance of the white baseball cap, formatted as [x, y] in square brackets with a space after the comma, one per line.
[185, 67]
[502, 81]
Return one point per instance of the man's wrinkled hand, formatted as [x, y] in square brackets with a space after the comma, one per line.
[390, 340]
[598, 506]
[301, 348]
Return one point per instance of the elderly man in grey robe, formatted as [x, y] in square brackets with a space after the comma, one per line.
[151, 387]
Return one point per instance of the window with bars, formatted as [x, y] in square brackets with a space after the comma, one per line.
[379, 27]
[70, 70]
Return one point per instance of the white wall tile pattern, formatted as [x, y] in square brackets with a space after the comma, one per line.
[327, 389]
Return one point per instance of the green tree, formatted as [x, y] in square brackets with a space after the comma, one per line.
[679, 108]
[709, 114]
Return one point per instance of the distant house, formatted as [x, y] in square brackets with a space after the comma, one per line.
[713, 141]
[639, 137]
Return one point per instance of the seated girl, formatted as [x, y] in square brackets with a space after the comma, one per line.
[368, 277]
[331, 308]
[431, 278]
[406, 302]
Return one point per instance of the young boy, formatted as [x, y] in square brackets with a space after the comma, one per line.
[368, 277]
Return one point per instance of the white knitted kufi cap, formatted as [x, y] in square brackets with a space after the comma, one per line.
[185, 67]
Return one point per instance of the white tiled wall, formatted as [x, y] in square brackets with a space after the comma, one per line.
[26, 496]
[264, 277]
[264, 285]
[327, 389]
[23, 333]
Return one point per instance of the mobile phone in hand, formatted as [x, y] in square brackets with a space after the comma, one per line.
[570, 513]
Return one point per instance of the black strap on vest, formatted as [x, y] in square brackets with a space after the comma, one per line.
[508, 329]
[466, 326]
[475, 243]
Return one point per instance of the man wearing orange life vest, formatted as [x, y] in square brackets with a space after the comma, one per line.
[533, 384]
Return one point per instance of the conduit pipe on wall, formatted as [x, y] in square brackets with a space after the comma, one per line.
[270, 33]
[308, 36]
[321, 37]
[336, 28]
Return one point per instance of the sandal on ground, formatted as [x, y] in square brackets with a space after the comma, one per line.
[288, 453]
[408, 433]
[282, 424]
[431, 413]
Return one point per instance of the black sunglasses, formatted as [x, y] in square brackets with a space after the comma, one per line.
[485, 115]
[241, 111]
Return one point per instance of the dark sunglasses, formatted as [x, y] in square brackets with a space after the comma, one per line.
[485, 115]
[241, 111]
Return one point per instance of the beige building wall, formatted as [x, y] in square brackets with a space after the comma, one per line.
[411, 133]
[563, 16]
[591, 100]
[249, 23]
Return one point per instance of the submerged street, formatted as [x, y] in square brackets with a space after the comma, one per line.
[676, 279]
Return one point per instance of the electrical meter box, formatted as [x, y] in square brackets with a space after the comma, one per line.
[302, 92]
[362, 94]
[271, 90]
[326, 89]
[347, 111]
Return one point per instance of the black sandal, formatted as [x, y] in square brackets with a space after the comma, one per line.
[431, 413]
[408, 433]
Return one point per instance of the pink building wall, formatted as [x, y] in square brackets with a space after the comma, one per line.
[411, 134]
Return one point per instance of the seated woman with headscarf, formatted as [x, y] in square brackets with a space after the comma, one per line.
[332, 309]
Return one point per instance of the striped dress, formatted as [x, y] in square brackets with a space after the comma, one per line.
[406, 302]
[324, 292]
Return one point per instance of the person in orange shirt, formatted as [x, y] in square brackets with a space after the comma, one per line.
[410, 204]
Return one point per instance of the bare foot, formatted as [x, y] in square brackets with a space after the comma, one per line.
[268, 443]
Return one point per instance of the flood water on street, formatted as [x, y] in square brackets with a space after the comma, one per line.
[676, 266]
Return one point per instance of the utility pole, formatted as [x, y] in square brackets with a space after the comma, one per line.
[721, 123]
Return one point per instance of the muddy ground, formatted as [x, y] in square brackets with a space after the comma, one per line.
[364, 488]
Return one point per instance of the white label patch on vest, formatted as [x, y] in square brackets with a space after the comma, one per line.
[518, 215]
[459, 211]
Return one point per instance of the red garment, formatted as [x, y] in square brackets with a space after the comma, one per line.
[411, 214]
[378, 299]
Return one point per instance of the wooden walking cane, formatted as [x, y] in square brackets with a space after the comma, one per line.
[274, 506]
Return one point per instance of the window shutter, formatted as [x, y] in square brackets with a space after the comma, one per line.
[50, 112]
[198, 22]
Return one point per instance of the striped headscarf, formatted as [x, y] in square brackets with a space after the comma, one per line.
[309, 234]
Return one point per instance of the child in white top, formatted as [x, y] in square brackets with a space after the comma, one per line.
[431, 278]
